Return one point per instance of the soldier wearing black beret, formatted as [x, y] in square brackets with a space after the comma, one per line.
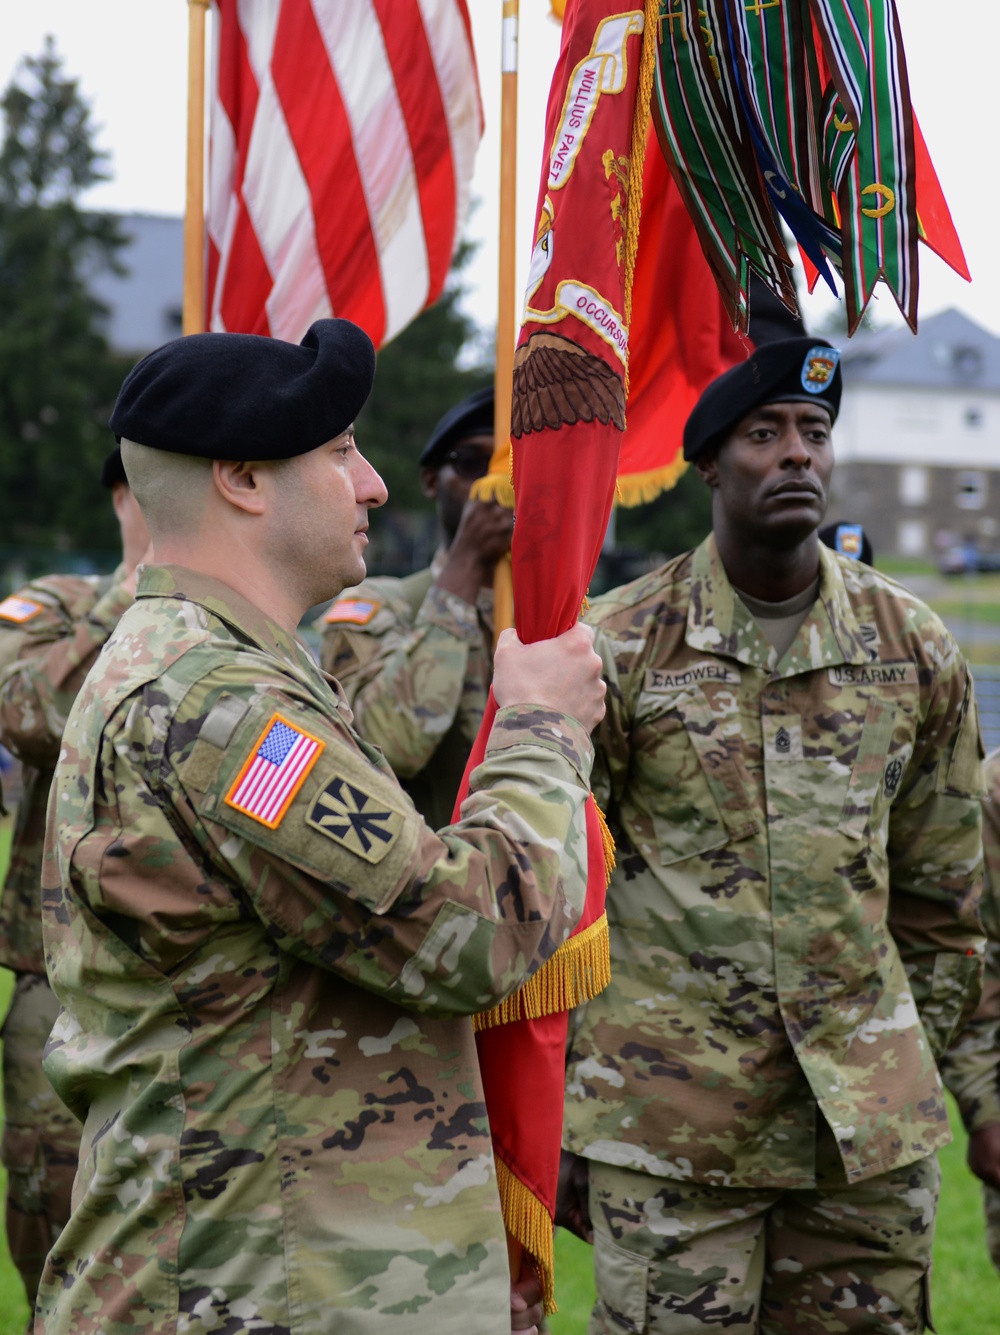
[790, 760]
[415, 655]
[267, 960]
[791, 370]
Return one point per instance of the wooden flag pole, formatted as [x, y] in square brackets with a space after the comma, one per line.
[503, 588]
[193, 319]
[503, 583]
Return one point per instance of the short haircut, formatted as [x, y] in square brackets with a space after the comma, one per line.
[171, 489]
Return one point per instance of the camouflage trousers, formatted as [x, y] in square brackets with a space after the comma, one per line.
[991, 1204]
[686, 1258]
[41, 1138]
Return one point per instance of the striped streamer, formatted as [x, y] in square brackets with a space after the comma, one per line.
[764, 42]
[698, 124]
[864, 48]
[796, 110]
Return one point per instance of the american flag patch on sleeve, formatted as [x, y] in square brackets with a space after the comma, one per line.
[19, 609]
[274, 772]
[353, 611]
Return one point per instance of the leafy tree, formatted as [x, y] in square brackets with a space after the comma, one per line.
[57, 378]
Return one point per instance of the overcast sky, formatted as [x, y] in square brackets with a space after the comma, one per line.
[130, 58]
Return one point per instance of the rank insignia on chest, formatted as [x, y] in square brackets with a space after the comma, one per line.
[782, 737]
[352, 611]
[18, 609]
[274, 771]
[348, 815]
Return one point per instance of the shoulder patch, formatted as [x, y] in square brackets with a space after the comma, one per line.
[353, 611]
[274, 771]
[19, 609]
[348, 815]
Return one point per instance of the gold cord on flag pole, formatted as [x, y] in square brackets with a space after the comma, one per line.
[640, 130]
[193, 320]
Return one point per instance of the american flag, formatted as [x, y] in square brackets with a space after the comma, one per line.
[274, 772]
[343, 138]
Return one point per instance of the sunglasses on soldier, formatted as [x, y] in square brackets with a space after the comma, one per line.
[468, 462]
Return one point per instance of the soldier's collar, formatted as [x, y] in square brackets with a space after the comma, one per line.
[174, 581]
[719, 622]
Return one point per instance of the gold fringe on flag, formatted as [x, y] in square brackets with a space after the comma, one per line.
[637, 157]
[638, 488]
[531, 1224]
[494, 487]
[579, 970]
[608, 843]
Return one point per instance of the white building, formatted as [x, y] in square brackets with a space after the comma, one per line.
[144, 303]
[918, 437]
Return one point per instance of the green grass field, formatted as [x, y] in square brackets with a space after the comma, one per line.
[969, 605]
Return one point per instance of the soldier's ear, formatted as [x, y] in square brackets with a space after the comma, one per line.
[708, 468]
[239, 484]
[429, 482]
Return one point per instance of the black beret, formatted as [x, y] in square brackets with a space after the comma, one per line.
[246, 396]
[848, 540]
[791, 370]
[113, 470]
[472, 417]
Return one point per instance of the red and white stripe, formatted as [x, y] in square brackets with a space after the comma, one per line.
[265, 787]
[343, 138]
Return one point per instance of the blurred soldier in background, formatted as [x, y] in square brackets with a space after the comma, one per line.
[972, 1066]
[51, 631]
[415, 655]
[849, 540]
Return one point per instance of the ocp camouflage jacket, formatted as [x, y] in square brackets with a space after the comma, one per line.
[971, 1066]
[416, 663]
[51, 631]
[267, 961]
[793, 917]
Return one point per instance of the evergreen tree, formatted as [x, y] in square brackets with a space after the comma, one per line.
[646, 535]
[57, 379]
[420, 375]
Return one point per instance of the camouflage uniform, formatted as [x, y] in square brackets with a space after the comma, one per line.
[416, 662]
[50, 633]
[972, 1066]
[767, 976]
[265, 1001]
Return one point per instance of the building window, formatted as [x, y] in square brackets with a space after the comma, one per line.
[914, 487]
[911, 537]
[970, 490]
[968, 362]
